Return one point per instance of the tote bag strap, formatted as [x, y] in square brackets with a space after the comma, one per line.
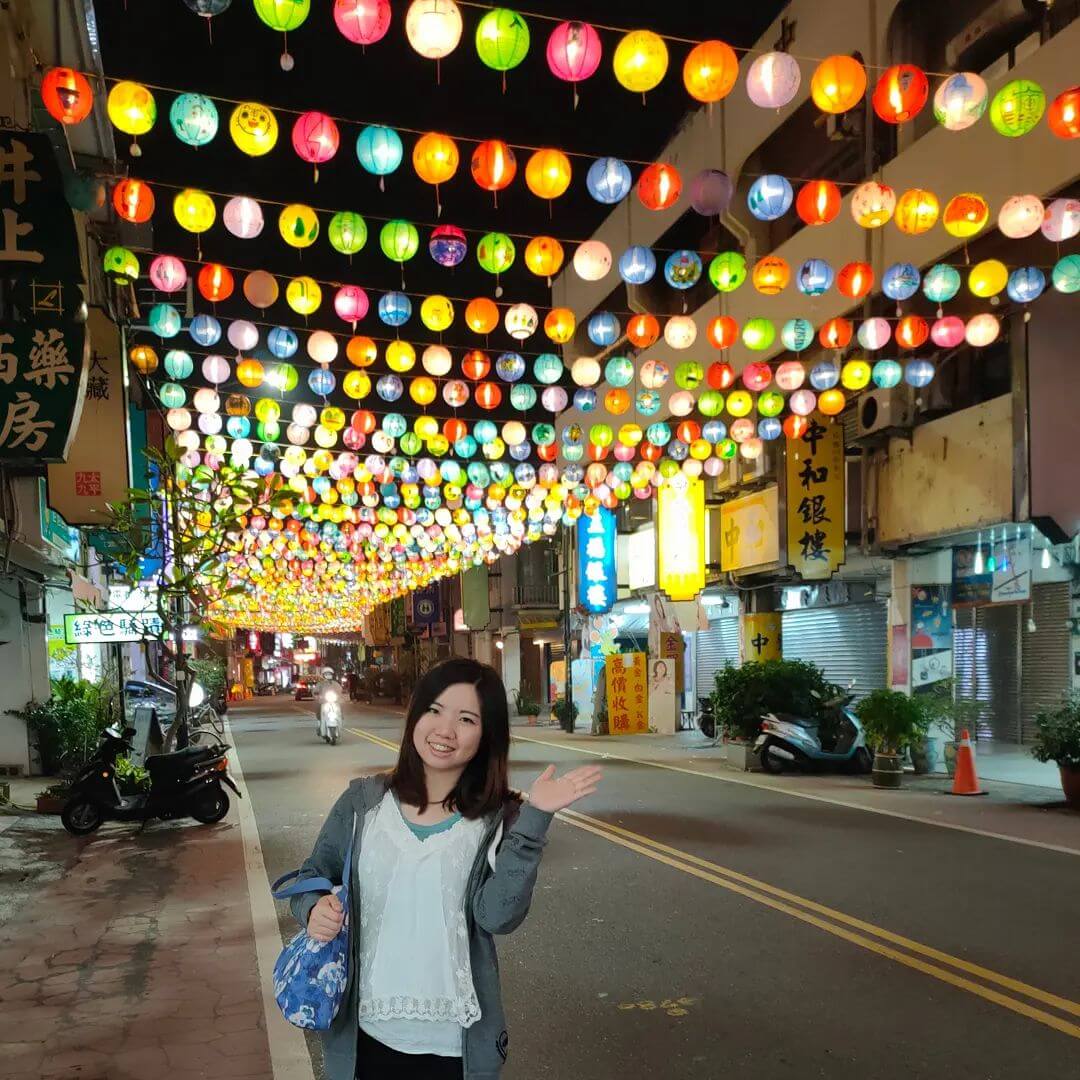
[280, 890]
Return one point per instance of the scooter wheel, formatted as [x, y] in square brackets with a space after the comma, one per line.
[81, 817]
[333, 738]
[210, 806]
[864, 761]
[770, 763]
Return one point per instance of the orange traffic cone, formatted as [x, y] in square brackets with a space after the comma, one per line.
[965, 782]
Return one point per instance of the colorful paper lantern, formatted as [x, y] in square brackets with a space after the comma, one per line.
[1021, 216]
[261, 289]
[282, 342]
[351, 304]
[1062, 220]
[194, 210]
[482, 315]
[131, 108]
[900, 94]
[1065, 275]
[360, 351]
[680, 331]
[722, 332]
[298, 225]
[243, 217]
[919, 373]
[379, 150]
[710, 71]
[363, 22]
[448, 246]
[886, 374]
[727, 271]
[253, 128]
[435, 158]
[790, 375]
[544, 256]
[282, 15]
[824, 376]
[797, 335]
[643, 330]
[574, 51]
[659, 186]
[1017, 108]
[855, 280]
[855, 374]
[900, 281]
[874, 333]
[592, 260]
[205, 330]
[315, 138]
[947, 332]
[1063, 116]
[872, 204]
[304, 295]
[167, 273]
[496, 252]
[682, 269]
[1026, 283]
[400, 357]
[547, 368]
[965, 215]
[133, 201]
[547, 173]
[960, 100]
[347, 232]
[710, 192]
[818, 202]
[640, 61]
[399, 240]
[758, 334]
[437, 313]
[916, 211]
[608, 180]
[770, 197]
[164, 320]
[941, 283]
[194, 119]
[493, 165]
[835, 334]
[637, 265]
[838, 84]
[912, 332]
[771, 275]
[66, 95]
[815, 277]
[773, 80]
[502, 39]
[982, 330]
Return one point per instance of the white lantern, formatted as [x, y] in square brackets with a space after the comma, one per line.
[875, 333]
[215, 369]
[1062, 221]
[654, 374]
[322, 347]
[773, 80]
[873, 204]
[714, 466]
[521, 321]
[1021, 216]
[297, 434]
[305, 415]
[592, 260]
[243, 217]
[982, 330]
[585, 371]
[243, 335]
[206, 400]
[436, 360]
[178, 419]
[242, 449]
[681, 403]
[191, 459]
[802, 402]
[325, 437]
[692, 467]
[188, 440]
[680, 331]
[790, 375]
[960, 100]
[209, 422]
[751, 448]
[513, 433]
[433, 27]
[554, 399]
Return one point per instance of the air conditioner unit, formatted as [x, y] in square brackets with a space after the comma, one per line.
[881, 412]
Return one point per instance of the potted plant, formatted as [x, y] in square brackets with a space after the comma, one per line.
[526, 705]
[564, 713]
[949, 716]
[1057, 738]
[892, 722]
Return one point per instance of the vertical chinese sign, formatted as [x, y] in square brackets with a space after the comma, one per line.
[475, 604]
[680, 537]
[628, 712]
[761, 635]
[596, 561]
[43, 341]
[815, 501]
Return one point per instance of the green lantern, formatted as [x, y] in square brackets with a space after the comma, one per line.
[688, 375]
[173, 396]
[121, 265]
[1066, 274]
[399, 240]
[282, 15]
[711, 403]
[178, 364]
[496, 252]
[502, 39]
[548, 368]
[283, 378]
[726, 449]
[410, 443]
[1017, 107]
[758, 334]
[268, 430]
[727, 271]
[770, 403]
[347, 232]
[164, 320]
[522, 396]
[543, 434]
[619, 371]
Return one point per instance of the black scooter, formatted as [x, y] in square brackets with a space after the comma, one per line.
[186, 783]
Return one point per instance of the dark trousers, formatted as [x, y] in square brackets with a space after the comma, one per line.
[374, 1061]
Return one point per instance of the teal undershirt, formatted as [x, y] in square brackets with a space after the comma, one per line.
[422, 832]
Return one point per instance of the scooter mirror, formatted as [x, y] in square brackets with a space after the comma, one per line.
[197, 695]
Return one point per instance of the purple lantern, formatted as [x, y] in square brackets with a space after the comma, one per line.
[710, 192]
[447, 245]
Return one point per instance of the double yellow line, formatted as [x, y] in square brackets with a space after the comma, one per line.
[1012, 994]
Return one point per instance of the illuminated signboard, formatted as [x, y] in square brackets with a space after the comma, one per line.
[680, 537]
[597, 583]
[104, 626]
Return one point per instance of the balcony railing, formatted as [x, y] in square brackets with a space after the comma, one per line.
[542, 595]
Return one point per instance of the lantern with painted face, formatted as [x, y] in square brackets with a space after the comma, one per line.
[253, 128]
[872, 204]
[901, 93]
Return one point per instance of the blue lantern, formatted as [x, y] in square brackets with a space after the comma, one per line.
[321, 381]
[608, 180]
[815, 277]
[448, 246]
[205, 330]
[484, 431]
[164, 320]
[682, 270]
[521, 451]
[178, 364]
[522, 396]
[572, 435]
[395, 425]
[797, 334]
[941, 283]
[379, 150]
[1026, 283]
[824, 376]
[547, 368]
[389, 388]
[647, 402]
[919, 373]
[282, 342]
[769, 197]
[887, 374]
[677, 450]
[263, 466]
[465, 447]
[585, 399]
[239, 427]
[900, 281]
[395, 308]
[637, 265]
[501, 473]
[194, 119]
[769, 428]
[713, 431]
[619, 371]
[603, 329]
[659, 434]
[510, 366]
[525, 475]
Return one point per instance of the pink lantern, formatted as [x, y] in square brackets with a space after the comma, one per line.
[802, 402]
[790, 375]
[243, 217]
[363, 22]
[756, 376]
[948, 332]
[573, 51]
[315, 138]
[168, 273]
[351, 303]
[624, 453]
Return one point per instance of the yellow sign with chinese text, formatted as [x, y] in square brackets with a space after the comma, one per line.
[680, 537]
[760, 636]
[749, 531]
[815, 500]
[627, 694]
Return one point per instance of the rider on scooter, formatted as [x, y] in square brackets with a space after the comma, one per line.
[327, 684]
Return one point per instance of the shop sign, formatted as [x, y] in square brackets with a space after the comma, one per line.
[102, 627]
[749, 531]
[1005, 576]
[397, 619]
[475, 608]
[376, 625]
[303, 657]
[815, 501]
[426, 607]
[134, 601]
[761, 636]
[627, 691]
[596, 561]
[931, 635]
[55, 531]
[641, 558]
[680, 525]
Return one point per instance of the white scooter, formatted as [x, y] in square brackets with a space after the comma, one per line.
[330, 717]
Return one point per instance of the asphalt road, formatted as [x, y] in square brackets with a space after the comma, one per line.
[685, 927]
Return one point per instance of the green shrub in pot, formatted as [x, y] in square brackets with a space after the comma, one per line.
[743, 695]
[1057, 738]
[892, 722]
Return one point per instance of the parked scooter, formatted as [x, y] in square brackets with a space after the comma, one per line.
[186, 783]
[795, 742]
[330, 716]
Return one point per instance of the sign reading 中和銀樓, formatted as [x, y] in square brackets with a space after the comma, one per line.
[815, 501]
[102, 627]
[749, 533]
[596, 561]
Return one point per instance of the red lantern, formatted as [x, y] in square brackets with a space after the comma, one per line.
[835, 334]
[1063, 116]
[493, 165]
[818, 202]
[720, 376]
[688, 431]
[133, 201]
[659, 186]
[650, 452]
[363, 421]
[855, 280]
[912, 331]
[454, 430]
[476, 365]
[67, 95]
[643, 331]
[547, 453]
[796, 426]
[597, 453]
[900, 94]
[488, 395]
[215, 282]
[722, 332]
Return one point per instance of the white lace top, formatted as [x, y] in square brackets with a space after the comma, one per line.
[416, 987]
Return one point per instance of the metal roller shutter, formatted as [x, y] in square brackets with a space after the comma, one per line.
[1045, 674]
[713, 649]
[986, 662]
[846, 642]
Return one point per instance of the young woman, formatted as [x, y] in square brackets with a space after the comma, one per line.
[445, 856]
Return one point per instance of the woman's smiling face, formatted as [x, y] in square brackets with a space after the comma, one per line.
[448, 734]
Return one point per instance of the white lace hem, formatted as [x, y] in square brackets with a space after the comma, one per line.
[402, 1007]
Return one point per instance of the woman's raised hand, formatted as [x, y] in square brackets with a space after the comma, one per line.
[552, 793]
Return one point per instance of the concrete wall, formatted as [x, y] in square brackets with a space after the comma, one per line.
[24, 673]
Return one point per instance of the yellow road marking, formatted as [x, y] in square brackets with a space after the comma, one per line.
[815, 914]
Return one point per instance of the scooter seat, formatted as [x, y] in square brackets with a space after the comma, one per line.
[180, 761]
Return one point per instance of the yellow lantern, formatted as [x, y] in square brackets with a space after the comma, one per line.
[249, 373]
[194, 210]
[298, 225]
[144, 359]
[547, 174]
[832, 402]
[131, 108]
[253, 128]
[872, 204]
[303, 295]
[988, 278]
[427, 427]
[423, 390]
[916, 211]
[400, 356]
[680, 537]
[965, 215]
[357, 385]
[544, 256]
[855, 374]
[640, 61]
[437, 312]
[739, 403]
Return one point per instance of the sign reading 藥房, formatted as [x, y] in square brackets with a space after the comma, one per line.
[815, 500]
[43, 341]
[596, 561]
[101, 627]
[627, 694]
[680, 537]
[749, 531]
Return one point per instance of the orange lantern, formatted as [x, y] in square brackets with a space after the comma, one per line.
[838, 84]
[688, 431]
[617, 401]
[965, 215]
[720, 376]
[912, 332]
[659, 186]
[364, 422]
[482, 315]
[835, 334]
[1063, 115]
[559, 325]
[488, 395]
[650, 452]
[435, 158]
[900, 94]
[710, 71]
[475, 365]
[133, 200]
[722, 332]
[215, 282]
[67, 95]
[454, 430]
[547, 453]
[643, 330]
[855, 280]
[544, 256]
[361, 351]
[818, 202]
[771, 275]
[831, 402]
[493, 165]
[547, 173]
[249, 373]
[916, 211]
[796, 426]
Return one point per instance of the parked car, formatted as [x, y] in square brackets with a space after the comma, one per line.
[304, 689]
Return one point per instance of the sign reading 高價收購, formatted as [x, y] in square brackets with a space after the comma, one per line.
[815, 500]
[43, 342]
[100, 627]
[597, 584]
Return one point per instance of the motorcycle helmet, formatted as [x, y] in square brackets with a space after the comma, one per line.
[328, 672]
